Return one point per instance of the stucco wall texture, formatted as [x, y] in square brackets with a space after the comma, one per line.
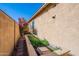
[9, 34]
[60, 26]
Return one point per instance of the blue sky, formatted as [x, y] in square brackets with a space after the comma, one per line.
[16, 10]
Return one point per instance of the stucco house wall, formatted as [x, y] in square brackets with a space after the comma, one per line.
[60, 26]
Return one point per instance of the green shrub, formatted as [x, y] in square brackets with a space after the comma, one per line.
[36, 42]
[45, 42]
[26, 28]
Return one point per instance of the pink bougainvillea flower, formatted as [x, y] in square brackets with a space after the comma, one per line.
[25, 23]
[21, 25]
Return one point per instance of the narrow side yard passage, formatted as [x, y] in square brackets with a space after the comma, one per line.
[20, 48]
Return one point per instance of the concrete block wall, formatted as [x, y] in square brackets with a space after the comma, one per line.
[9, 34]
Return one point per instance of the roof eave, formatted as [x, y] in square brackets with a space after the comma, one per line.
[38, 12]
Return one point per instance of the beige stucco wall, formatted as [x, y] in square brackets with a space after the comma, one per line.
[63, 31]
[8, 34]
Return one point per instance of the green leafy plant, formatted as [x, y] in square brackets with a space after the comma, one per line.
[36, 42]
[44, 42]
[26, 28]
